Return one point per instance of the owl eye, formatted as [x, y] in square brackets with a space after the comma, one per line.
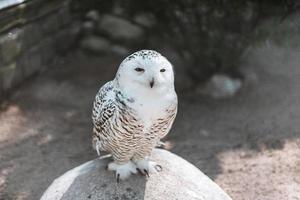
[162, 70]
[138, 69]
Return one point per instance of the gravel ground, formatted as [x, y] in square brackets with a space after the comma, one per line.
[248, 144]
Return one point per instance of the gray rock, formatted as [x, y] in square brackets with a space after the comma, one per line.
[120, 50]
[64, 40]
[178, 180]
[118, 28]
[32, 35]
[95, 44]
[10, 75]
[88, 27]
[93, 15]
[31, 61]
[221, 86]
[10, 46]
[50, 24]
[145, 19]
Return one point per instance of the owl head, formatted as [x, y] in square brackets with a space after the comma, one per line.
[145, 70]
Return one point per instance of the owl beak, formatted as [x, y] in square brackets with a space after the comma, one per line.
[152, 83]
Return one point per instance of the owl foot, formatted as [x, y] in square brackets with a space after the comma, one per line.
[146, 166]
[123, 171]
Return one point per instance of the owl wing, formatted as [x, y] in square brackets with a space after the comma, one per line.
[168, 120]
[103, 109]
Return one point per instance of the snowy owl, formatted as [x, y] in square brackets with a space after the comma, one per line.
[134, 111]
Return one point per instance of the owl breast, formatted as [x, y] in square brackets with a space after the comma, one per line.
[131, 127]
[152, 110]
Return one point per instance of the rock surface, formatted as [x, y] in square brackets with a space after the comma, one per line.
[221, 86]
[95, 44]
[93, 15]
[178, 180]
[119, 29]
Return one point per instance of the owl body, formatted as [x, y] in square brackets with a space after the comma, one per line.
[131, 126]
[131, 115]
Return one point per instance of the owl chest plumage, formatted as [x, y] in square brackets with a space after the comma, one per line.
[129, 124]
[143, 121]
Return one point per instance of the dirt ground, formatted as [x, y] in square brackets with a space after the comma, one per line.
[248, 144]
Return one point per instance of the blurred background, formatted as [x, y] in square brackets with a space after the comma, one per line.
[237, 78]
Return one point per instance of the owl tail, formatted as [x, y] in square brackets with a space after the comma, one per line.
[105, 156]
[168, 145]
[97, 148]
[96, 144]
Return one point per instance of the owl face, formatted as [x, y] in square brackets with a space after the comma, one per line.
[146, 70]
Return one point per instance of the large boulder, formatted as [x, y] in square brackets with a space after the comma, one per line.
[221, 86]
[119, 29]
[178, 180]
[95, 44]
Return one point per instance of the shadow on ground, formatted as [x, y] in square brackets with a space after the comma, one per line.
[46, 127]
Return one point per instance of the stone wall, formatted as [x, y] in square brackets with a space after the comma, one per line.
[32, 35]
[109, 33]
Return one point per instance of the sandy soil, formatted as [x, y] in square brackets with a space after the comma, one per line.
[248, 144]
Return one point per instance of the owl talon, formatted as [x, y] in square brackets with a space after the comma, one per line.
[143, 173]
[140, 172]
[146, 173]
[123, 171]
[118, 178]
[146, 167]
